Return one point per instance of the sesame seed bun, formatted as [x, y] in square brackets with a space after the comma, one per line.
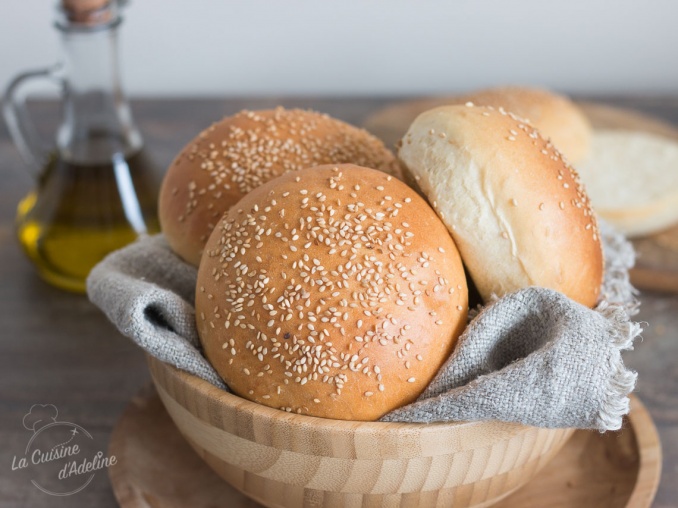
[239, 153]
[333, 292]
[556, 116]
[515, 208]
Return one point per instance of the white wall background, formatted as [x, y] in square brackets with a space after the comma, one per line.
[351, 47]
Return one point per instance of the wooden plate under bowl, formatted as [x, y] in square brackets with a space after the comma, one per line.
[157, 468]
[657, 264]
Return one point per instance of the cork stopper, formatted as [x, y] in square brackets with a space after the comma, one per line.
[89, 12]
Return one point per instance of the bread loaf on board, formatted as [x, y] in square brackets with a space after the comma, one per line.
[632, 178]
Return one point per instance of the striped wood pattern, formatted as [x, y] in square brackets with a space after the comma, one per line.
[288, 460]
[157, 468]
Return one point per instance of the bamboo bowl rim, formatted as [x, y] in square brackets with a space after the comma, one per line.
[209, 405]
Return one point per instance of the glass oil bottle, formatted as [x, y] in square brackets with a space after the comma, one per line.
[96, 191]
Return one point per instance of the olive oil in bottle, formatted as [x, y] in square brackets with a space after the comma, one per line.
[97, 190]
[80, 212]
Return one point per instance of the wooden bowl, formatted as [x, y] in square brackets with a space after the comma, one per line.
[287, 460]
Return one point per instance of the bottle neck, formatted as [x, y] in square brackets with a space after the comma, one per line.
[97, 122]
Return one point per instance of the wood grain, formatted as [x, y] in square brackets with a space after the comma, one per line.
[657, 265]
[602, 470]
[158, 468]
[288, 460]
[57, 348]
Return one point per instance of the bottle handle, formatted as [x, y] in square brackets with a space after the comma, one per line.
[19, 122]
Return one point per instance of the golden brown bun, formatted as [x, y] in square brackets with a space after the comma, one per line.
[515, 208]
[333, 292]
[239, 153]
[556, 116]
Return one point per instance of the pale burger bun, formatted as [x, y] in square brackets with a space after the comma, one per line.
[515, 208]
[556, 116]
[333, 292]
[239, 153]
[632, 178]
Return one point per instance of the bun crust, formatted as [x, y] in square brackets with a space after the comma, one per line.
[515, 208]
[333, 292]
[239, 153]
[556, 116]
[632, 179]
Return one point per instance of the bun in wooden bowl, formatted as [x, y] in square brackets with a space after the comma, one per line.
[334, 291]
[239, 153]
[556, 116]
[287, 460]
[516, 209]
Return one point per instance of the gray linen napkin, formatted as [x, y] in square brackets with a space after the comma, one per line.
[534, 356]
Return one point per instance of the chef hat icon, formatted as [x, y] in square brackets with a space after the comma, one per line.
[40, 415]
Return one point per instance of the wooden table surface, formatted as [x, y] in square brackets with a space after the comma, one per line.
[57, 348]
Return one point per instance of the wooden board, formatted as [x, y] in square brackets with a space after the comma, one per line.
[657, 265]
[157, 468]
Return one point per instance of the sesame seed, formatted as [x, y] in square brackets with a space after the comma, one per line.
[333, 245]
